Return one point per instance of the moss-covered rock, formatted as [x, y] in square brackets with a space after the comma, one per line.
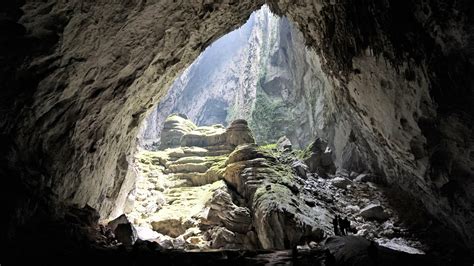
[174, 128]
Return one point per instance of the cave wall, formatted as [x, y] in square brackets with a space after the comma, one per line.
[75, 102]
[78, 76]
[263, 72]
[402, 75]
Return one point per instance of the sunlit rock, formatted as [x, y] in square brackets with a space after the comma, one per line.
[174, 128]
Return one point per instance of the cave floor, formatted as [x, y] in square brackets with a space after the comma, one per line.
[174, 178]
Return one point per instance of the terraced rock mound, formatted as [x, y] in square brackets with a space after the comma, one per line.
[214, 188]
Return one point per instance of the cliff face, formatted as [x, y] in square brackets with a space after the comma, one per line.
[262, 72]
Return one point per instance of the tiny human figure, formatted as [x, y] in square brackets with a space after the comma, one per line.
[335, 223]
[347, 225]
[342, 226]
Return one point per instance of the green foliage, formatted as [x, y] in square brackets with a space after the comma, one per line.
[266, 147]
[268, 118]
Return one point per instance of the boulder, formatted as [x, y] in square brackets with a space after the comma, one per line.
[343, 173]
[222, 238]
[174, 128]
[319, 159]
[356, 250]
[300, 168]
[363, 178]
[123, 230]
[126, 234]
[122, 219]
[341, 182]
[171, 227]
[239, 133]
[374, 212]
[223, 212]
[145, 233]
[284, 144]
[277, 225]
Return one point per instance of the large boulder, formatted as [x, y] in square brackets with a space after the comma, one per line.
[358, 251]
[126, 234]
[374, 212]
[300, 168]
[124, 231]
[341, 182]
[282, 225]
[122, 219]
[174, 128]
[284, 144]
[239, 133]
[169, 226]
[205, 136]
[319, 158]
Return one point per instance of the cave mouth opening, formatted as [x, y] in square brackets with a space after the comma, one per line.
[229, 158]
[80, 77]
[246, 88]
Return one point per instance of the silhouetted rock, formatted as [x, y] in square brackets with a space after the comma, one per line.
[374, 212]
[319, 159]
[126, 234]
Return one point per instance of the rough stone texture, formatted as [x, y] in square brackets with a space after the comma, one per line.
[174, 128]
[94, 71]
[341, 182]
[281, 217]
[126, 234]
[260, 72]
[374, 212]
[319, 158]
[79, 76]
[400, 102]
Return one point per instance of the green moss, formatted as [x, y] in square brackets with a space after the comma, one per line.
[266, 147]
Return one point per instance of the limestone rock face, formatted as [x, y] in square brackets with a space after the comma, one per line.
[222, 211]
[281, 217]
[79, 77]
[238, 133]
[174, 128]
[267, 90]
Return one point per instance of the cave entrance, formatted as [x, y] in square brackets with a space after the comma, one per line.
[229, 159]
[254, 85]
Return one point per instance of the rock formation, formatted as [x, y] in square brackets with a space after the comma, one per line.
[261, 72]
[78, 77]
[219, 190]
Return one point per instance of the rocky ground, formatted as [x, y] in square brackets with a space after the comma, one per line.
[212, 196]
[214, 188]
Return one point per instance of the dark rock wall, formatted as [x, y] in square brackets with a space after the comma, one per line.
[403, 72]
[78, 76]
[81, 77]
